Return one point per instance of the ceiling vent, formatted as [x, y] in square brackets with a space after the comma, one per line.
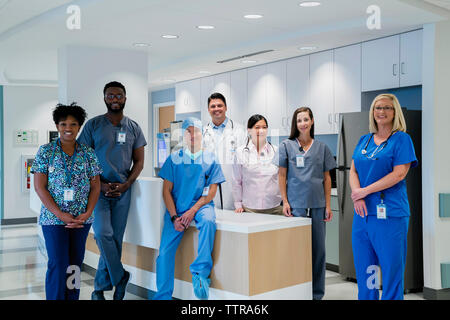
[245, 56]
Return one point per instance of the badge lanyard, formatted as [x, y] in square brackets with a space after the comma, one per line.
[68, 191]
[121, 136]
[300, 158]
[381, 208]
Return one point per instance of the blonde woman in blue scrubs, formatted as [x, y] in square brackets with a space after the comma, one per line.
[381, 161]
[305, 185]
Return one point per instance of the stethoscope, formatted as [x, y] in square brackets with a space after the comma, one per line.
[51, 168]
[247, 150]
[233, 138]
[378, 149]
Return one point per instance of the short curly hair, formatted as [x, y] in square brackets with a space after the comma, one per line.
[61, 112]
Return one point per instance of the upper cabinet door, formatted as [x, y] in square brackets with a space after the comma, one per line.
[237, 104]
[276, 99]
[347, 81]
[222, 84]
[380, 64]
[411, 58]
[256, 84]
[297, 85]
[322, 91]
[206, 89]
[187, 96]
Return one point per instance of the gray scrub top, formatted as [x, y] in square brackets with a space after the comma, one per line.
[305, 185]
[115, 158]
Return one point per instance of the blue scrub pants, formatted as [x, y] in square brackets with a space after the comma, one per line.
[65, 247]
[205, 222]
[110, 220]
[318, 229]
[383, 243]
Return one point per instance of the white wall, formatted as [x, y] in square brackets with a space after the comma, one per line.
[435, 149]
[24, 108]
[83, 73]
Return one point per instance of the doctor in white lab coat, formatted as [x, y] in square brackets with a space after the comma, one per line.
[223, 136]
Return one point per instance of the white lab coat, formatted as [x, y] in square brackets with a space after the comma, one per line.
[224, 147]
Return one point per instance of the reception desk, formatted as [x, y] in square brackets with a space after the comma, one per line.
[255, 256]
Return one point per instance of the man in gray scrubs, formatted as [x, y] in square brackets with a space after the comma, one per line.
[119, 145]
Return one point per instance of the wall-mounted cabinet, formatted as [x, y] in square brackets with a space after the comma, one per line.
[237, 101]
[392, 62]
[297, 86]
[206, 89]
[322, 91]
[347, 81]
[187, 95]
[329, 82]
[276, 99]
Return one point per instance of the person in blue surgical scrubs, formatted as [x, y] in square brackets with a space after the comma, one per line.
[190, 178]
[381, 161]
[119, 144]
[305, 186]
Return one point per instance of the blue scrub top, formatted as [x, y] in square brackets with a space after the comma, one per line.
[189, 177]
[115, 158]
[398, 150]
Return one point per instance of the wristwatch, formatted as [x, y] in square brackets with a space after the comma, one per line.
[173, 218]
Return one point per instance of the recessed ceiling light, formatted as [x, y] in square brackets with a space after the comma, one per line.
[309, 4]
[169, 80]
[141, 44]
[249, 61]
[170, 36]
[205, 27]
[204, 72]
[308, 48]
[253, 16]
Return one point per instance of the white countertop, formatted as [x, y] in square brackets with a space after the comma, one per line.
[247, 222]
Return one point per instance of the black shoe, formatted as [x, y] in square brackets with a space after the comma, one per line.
[121, 287]
[97, 295]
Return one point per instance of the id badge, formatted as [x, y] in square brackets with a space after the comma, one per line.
[121, 137]
[381, 211]
[68, 194]
[205, 191]
[300, 161]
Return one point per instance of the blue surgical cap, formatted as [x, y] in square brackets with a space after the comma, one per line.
[191, 122]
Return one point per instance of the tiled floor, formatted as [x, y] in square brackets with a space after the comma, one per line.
[23, 264]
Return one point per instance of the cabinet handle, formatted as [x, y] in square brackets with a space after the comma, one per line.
[330, 118]
[394, 69]
[336, 117]
[402, 68]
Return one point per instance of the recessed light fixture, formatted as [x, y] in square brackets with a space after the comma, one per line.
[169, 80]
[249, 61]
[204, 72]
[170, 36]
[140, 44]
[308, 48]
[205, 27]
[253, 16]
[308, 4]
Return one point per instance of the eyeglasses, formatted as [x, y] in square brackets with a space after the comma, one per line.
[111, 96]
[384, 108]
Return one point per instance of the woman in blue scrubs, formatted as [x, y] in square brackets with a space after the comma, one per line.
[305, 186]
[190, 178]
[381, 161]
[67, 181]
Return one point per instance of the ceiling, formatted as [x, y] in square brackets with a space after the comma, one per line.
[32, 31]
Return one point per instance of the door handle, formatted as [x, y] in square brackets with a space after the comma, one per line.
[402, 68]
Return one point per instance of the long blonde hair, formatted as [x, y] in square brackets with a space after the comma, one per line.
[399, 123]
